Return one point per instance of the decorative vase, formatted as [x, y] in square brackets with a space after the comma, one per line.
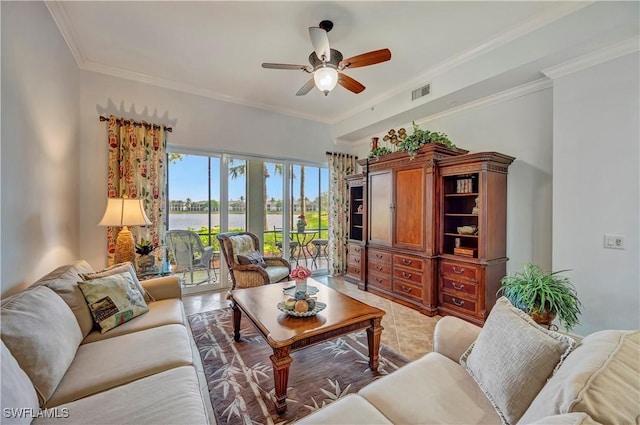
[301, 227]
[301, 285]
[146, 262]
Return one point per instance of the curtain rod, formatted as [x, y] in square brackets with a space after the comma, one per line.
[169, 129]
[339, 153]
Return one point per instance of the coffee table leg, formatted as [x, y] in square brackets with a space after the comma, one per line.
[236, 321]
[281, 361]
[373, 338]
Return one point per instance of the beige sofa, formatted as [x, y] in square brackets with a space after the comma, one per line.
[598, 382]
[56, 368]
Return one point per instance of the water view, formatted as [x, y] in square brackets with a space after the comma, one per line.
[196, 221]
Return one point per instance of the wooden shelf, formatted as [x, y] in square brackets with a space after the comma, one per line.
[461, 194]
[460, 215]
[458, 235]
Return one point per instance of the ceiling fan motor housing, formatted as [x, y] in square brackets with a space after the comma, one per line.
[316, 63]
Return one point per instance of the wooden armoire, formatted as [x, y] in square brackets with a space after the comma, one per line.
[411, 249]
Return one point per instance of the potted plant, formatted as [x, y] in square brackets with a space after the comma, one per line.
[301, 224]
[144, 248]
[543, 295]
[413, 142]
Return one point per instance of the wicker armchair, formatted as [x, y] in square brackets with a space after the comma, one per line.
[241, 244]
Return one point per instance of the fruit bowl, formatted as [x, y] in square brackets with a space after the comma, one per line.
[319, 307]
[467, 230]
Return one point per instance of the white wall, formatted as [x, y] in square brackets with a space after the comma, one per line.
[520, 127]
[40, 127]
[198, 122]
[596, 189]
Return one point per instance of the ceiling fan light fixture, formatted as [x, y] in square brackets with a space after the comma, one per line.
[326, 79]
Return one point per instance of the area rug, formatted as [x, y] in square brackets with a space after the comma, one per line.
[240, 378]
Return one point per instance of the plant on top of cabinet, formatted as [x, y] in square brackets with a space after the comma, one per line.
[413, 142]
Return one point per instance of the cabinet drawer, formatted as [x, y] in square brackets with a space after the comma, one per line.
[355, 249]
[382, 282]
[458, 303]
[457, 270]
[461, 287]
[354, 260]
[376, 256]
[379, 268]
[408, 275]
[407, 289]
[353, 271]
[408, 261]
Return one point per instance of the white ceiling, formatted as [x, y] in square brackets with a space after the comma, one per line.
[216, 48]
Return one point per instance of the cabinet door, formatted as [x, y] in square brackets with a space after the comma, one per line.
[410, 208]
[380, 216]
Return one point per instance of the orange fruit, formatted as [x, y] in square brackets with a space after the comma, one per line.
[301, 306]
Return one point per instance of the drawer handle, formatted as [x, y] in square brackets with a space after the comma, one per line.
[357, 271]
[407, 275]
[459, 288]
[379, 268]
[406, 262]
[459, 271]
[378, 255]
[378, 279]
[406, 289]
[357, 260]
[357, 250]
[458, 303]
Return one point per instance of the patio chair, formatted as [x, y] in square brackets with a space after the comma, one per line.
[248, 268]
[293, 245]
[189, 254]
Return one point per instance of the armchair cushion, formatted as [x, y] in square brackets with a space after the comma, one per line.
[253, 257]
[241, 244]
[276, 274]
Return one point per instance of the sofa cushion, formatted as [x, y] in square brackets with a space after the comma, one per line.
[17, 394]
[120, 268]
[43, 335]
[171, 397]
[431, 390]
[512, 359]
[64, 282]
[601, 378]
[163, 312]
[565, 419]
[349, 410]
[121, 360]
[253, 257]
[113, 300]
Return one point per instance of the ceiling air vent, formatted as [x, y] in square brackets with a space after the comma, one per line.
[422, 91]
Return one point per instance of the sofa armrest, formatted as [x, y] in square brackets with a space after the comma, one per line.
[163, 288]
[453, 336]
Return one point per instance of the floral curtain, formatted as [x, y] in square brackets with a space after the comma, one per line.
[341, 165]
[137, 169]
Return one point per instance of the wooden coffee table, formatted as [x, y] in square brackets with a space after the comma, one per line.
[285, 333]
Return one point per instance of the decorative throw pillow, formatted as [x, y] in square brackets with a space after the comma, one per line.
[252, 258]
[113, 300]
[117, 269]
[241, 245]
[512, 359]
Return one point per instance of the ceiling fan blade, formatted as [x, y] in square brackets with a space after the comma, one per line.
[349, 83]
[286, 66]
[366, 59]
[320, 42]
[306, 88]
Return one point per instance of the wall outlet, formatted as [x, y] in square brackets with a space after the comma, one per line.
[614, 241]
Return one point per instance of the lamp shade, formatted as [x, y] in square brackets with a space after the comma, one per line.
[124, 212]
[326, 79]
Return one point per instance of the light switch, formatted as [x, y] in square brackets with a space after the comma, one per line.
[614, 241]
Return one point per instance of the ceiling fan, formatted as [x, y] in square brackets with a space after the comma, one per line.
[326, 63]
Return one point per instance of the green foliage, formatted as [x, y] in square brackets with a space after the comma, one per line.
[144, 247]
[534, 288]
[413, 142]
[379, 151]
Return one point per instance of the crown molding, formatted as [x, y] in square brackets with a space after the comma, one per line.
[61, 18]
[503, 96]
[606, 54]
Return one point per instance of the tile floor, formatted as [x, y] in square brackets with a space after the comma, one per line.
[405, 330]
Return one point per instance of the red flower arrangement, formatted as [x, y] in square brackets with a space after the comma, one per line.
[300, 273]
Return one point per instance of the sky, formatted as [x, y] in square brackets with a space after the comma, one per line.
[188, 178]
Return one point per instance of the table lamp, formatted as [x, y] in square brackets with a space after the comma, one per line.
[123, 212]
